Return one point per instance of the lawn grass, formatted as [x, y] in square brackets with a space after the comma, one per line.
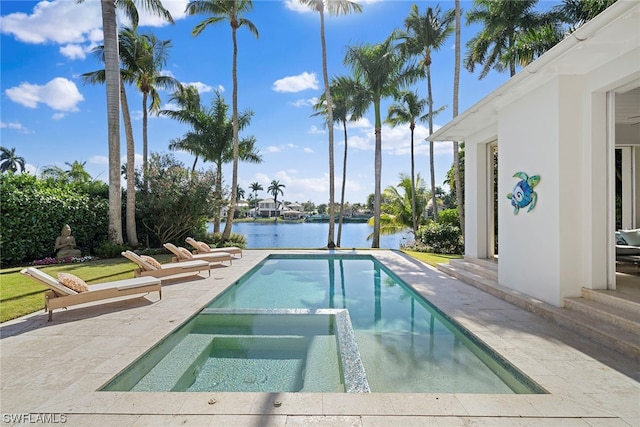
[20, 295]
[432, 259]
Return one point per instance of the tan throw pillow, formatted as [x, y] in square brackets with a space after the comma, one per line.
[72, 282]
[185, 253]
[203, 247]
[152, 262]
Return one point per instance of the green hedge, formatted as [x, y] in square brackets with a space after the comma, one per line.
[33, 212]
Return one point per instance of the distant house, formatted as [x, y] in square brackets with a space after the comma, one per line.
[565, 136]
[267, 209]
[242, 206]
[293, 211]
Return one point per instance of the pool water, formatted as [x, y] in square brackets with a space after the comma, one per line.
[403, 343]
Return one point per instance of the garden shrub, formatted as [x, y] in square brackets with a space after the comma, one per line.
[177, 203]
[34, 211]
[235, 239]
[441, 238]
[449, 217]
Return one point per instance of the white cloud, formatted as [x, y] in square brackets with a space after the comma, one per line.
[308, 150]
[305, 102]
[396, 141]
[58, 21]
[15, 126]
[60, 94]
[273, 149]
[99, 160]
[203, 87]
[57, 116]
[75, 51]
[175, 7]
[296, 6]
[297, 83]
[315, 130]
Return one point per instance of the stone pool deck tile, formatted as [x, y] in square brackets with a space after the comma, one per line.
[56, 367]
[426, 404]
[362, 404]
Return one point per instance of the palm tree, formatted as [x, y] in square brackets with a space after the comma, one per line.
[333, 7]
[146, 74]
[211, 136]
[10, 161]
[129, 49]
[77, 172]
[191, 112]
[348, 105]
[240, 192]
[381, 72]
[408, 110]
[255, 187]
[502, 21]
[456, 148]
[274, 189]
[112, 80]
[423, 35]
[230, 11]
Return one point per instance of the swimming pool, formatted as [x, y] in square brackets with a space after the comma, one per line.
[402, 342]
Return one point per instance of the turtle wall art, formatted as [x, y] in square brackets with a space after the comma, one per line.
[523, 194]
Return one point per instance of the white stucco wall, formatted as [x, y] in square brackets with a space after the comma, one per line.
[529, 242]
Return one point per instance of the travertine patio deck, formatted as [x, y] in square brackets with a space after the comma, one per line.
[52, 370]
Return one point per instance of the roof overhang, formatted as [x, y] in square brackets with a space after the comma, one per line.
[613, 33]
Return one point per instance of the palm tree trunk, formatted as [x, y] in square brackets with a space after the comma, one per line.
[130, 210]
[112, 80]
[344, 184]
[456, 153]
[144, 139]
[414, 220]
[432, 165]
[216, 216]
[378, 174]
[236, 150]
[327, 93]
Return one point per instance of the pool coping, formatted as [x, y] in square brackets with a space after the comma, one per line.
[56, 367]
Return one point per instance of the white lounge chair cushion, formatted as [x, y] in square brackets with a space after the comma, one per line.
[185, 253]
[50, 281]
[632, 237]
[73, 282]
[152, 262]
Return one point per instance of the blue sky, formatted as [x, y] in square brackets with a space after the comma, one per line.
[50, 117]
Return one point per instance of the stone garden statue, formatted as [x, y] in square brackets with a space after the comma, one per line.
[66, 244]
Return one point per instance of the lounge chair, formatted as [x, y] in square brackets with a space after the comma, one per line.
[203, 248]
[148, 266]
[59, 295]
[183, 255]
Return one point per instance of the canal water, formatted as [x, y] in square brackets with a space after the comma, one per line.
[311, 235]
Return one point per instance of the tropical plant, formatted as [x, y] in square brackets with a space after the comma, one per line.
[423, 35]
[333, 7]
[211, 138]
[408, 110]
[76, 173]
[381, 72]
[10, 161]
[400, 204]
[274, 189]
[112, 80]
[177, 203]
[231, 11]
[255, 187]
[502, 20]
[146, 73]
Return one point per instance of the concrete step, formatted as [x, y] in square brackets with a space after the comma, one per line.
[630, 303]
[490, 264]
[487, 271]
[605, 313]
[584, 322]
